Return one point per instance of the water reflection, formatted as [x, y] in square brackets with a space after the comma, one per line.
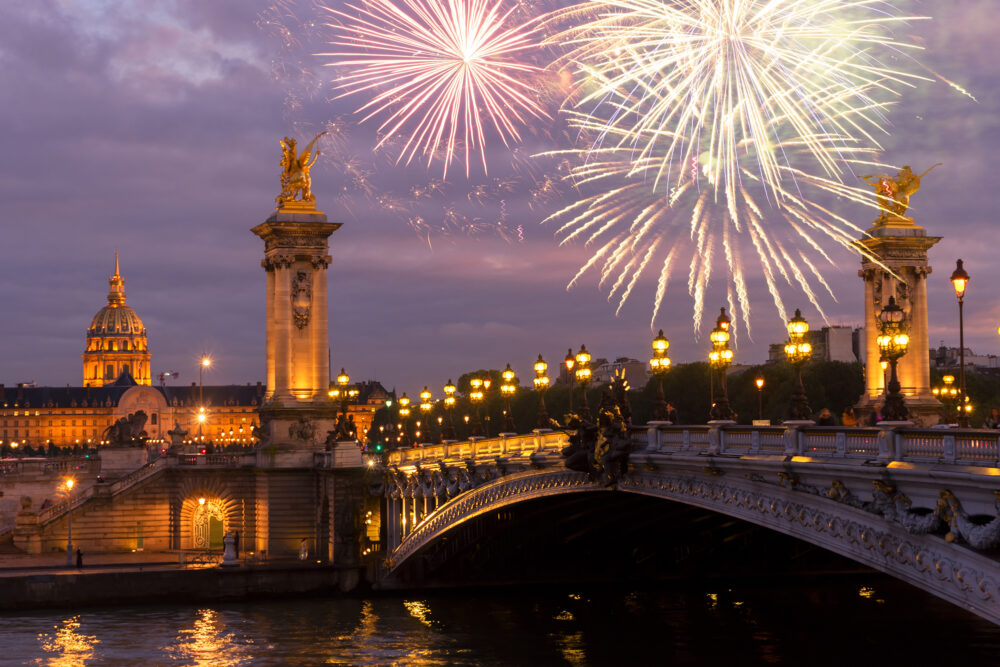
[69, 646]
[771, 622]
[207, 644]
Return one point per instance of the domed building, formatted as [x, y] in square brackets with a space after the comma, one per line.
[116, 342]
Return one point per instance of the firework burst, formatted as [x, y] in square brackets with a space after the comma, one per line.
[723, 118]
[445, 74]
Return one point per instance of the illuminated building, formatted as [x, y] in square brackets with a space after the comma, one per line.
[116, 341]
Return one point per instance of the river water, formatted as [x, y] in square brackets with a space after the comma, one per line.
[856, 620]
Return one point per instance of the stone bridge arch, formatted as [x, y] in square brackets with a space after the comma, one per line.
[893, 519]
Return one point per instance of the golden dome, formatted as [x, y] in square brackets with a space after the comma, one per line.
[116, 319]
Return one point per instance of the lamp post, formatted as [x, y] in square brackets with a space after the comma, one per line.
[884, 365]
[760, 396]
[476, 397]
[448, 432]
[425, 410]
[340, 392]
[719, 358]
[892, 343]
[541, 384]
[960, 280]
[69, 520]
[659, 364]
[570, 361]
[583, 376]
[206, 362]
[404, 414]
[798, 351]
[948, 395]
[507, 390]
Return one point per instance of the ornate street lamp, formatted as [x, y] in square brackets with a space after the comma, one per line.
[760, 396]
[960, 280]
[476, 397]
[425, 409]
[583, 376]
[798, 351]
[507, 389]
[541, 384]
[948, 395]
[719, 359]
[659, 364]
[69, 520]
[570, 361]
[404, 414]
[448, 433]
[892, 343]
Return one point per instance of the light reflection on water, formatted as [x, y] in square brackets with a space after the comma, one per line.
[67, 646]
[521, 626]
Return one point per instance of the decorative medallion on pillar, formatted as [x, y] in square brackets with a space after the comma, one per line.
[894, 264]
[295, 263]
[301, 298]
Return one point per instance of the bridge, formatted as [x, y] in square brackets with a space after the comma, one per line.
[918, 504]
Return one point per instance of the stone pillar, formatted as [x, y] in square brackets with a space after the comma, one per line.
[895, 264]
[298, 412]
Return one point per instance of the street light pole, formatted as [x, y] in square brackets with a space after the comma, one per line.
[892, 342]
[448, 432]
[719, 358]
[583, 376]
[798, 351]
[960, 280]
[659, 363]
[570, 361]
[507, 389]
[206, 361]
[760, 397]
[541, 384]
[69, 521]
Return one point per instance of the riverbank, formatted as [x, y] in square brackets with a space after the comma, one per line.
[152, 580]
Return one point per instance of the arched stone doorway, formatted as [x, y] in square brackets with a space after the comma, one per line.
[209, 526]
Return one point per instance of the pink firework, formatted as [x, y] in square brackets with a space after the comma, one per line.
[443, 72]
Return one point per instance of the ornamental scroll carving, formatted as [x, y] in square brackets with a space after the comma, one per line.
[301, 298]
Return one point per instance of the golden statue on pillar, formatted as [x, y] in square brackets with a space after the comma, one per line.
[296, 185]
[893, 194]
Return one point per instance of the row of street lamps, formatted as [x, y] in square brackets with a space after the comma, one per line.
[893, 342]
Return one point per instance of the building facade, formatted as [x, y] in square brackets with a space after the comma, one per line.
[79, 415]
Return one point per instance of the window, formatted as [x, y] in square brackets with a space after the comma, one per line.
[152, 419]
[109, 372]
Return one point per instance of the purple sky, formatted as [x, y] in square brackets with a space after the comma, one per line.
[153, 127]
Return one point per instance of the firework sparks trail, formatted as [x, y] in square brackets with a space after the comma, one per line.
[731, 119]
[444, 73]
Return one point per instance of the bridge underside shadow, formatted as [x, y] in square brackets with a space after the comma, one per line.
[601, 537]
